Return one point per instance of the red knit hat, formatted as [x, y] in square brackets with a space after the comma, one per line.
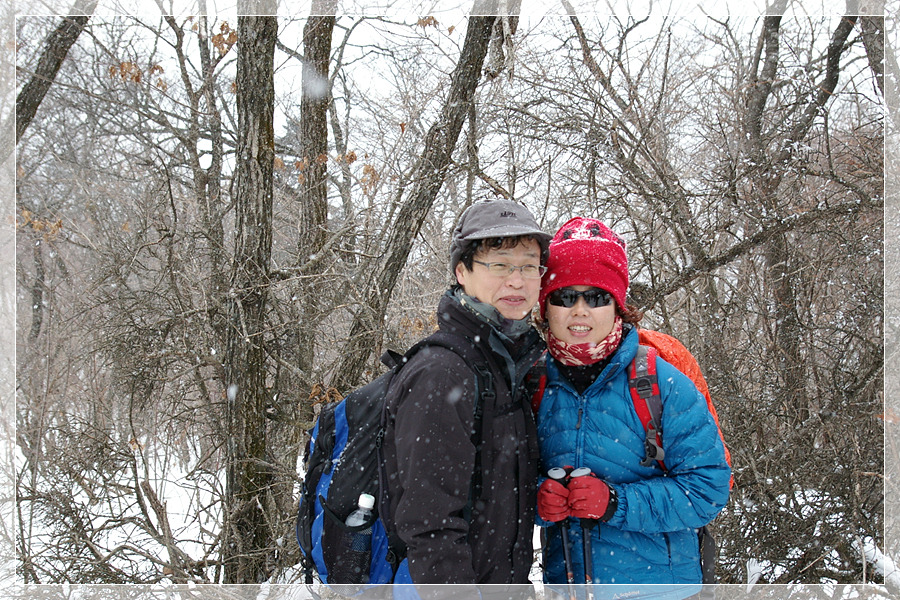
[586, 252]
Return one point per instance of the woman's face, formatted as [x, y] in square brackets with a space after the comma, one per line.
[581, 324]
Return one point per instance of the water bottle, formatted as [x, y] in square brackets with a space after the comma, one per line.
[360, 542]
[362, 514]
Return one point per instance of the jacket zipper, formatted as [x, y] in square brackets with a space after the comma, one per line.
[579, 433]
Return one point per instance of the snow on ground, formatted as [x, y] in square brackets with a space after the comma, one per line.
[881, 563]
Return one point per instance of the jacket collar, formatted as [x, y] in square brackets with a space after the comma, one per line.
[455, 318]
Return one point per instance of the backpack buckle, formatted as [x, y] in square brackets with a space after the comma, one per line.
[644, 387]
[652, 450]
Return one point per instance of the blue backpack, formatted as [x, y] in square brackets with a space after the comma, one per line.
[343, 459]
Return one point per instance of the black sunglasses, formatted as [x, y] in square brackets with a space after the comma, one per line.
[567, 297]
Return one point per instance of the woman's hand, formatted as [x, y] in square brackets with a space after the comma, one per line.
[553, 501]
[591, 498]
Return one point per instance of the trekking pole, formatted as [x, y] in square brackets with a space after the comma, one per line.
[559, 474]
[586, 526]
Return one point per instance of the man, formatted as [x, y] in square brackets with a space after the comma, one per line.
[466, 514]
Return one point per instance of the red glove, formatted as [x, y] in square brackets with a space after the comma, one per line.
[552, 501]
[591, 498]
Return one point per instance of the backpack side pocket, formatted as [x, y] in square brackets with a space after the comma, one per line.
[346, 551]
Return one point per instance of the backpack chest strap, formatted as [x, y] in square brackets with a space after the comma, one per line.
[643, 384]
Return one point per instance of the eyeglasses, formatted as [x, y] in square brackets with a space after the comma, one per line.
[506, 269]
[567, 297]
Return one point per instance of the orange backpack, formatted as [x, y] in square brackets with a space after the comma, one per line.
[649, 407]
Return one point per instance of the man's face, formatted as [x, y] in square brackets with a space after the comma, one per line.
[513, 294]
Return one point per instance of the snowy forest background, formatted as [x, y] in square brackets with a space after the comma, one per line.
[159, 262]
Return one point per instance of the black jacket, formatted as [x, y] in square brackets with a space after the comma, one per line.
[430, 458]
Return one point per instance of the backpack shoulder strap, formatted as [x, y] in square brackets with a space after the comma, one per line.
[536, 382]
[392, 359]
[466, 349]
[644, 387]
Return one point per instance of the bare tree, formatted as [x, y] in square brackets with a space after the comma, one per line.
[427, 179]
[55, 49]
[767, 178]
[313, 197]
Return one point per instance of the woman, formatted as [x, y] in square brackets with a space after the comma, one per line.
[648, 518]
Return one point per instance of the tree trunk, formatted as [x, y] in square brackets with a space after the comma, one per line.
[314, 185]
[284, 432]
[429, 176]
[872, 29]
[247, 532]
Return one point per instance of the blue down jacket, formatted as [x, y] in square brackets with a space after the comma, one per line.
[652, 537]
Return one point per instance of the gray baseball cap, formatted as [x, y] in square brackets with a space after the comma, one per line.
[494, 219]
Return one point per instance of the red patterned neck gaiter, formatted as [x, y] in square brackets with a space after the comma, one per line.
[576, 355]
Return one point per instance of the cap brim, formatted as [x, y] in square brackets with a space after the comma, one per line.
[504, 231]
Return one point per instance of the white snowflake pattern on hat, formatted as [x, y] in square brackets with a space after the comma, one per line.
[585, 229]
